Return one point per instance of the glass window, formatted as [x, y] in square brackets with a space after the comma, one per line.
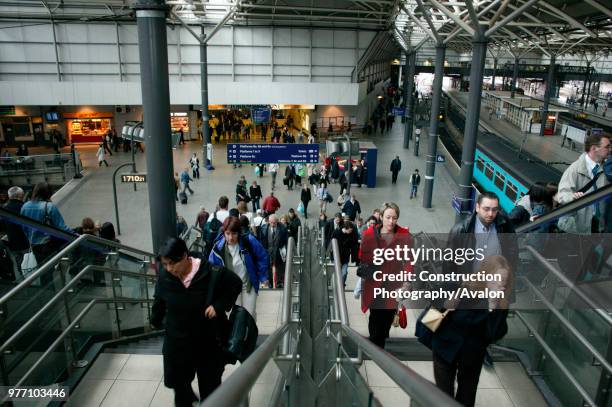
[480, 164]
[511, 191]
[489, 172]
[499, 181]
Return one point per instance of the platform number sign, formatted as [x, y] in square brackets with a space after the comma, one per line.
[141, 178]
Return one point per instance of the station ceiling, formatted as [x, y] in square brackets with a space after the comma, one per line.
[559, 27]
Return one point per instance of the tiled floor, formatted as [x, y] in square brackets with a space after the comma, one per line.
[119, 380]
[506, 385]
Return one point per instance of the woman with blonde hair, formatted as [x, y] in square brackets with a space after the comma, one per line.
[459, 344]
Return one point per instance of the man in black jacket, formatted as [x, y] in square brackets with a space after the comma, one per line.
[329, 228]
[348, 244]
[17, 242]
[415, 180]
[352, 208]
[396, 166]
[273, 237]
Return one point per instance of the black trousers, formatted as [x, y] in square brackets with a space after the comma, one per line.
[394, 177]
[209, 378]
[466, 367]
[379, 325]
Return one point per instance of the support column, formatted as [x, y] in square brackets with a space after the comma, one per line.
[153, 51]
[550, 86]
[408, 96]
[584, 85]
[514, 77]
[472, 119]
[204, 90]
[494, 73]
[430, 159]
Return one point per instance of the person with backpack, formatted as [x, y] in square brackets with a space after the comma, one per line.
[192, 297]
[245, 256]
[211, 230]
[185, 178]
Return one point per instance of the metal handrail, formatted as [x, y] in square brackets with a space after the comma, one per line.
[286, 304]
[339, 286]
[583, 341]
[61, 254]
[66, 235]
[235, 388]
[553, 356]
[60, 294]
[419, 389]
[582, 202]
[553, 270]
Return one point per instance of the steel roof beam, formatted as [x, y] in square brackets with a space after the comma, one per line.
[452, 16]
[510, 17]
[599, 7]
[570, 19]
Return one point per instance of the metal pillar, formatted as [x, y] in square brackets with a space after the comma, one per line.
[349, 165]
[494, 73]
[550, 86]
[584, 85]
[204, 88]
[430, 159]
[118, 52]
[408, 96]
[153, 51]
[514, 77]
[472, 119]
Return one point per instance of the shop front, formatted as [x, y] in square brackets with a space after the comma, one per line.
[19, 126]
[87, 127]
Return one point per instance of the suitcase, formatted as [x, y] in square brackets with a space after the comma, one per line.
[183, 198]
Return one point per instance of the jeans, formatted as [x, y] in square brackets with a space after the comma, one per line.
[186, 187]
[344, 269]
[255, 203]
[413, 192]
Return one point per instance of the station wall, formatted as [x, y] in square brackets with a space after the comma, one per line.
[99, 64]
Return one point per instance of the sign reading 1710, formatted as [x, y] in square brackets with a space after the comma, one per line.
[272, 153]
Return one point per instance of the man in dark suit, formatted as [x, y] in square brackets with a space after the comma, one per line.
[396, 166]
[330, 226]
[17, 242]
[273, 237]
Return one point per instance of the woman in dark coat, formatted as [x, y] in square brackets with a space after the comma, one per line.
[305, 197]
[460, 343]
[192, 320]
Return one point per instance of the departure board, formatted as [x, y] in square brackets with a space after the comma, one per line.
[272, 153]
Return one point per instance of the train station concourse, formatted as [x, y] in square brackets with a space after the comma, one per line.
[228, 203]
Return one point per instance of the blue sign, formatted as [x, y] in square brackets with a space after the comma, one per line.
[398, 111]
[596, 131]
[272, 153]
[440, 158]
[261, 115]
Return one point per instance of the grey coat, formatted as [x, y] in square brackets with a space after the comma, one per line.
[575, 177]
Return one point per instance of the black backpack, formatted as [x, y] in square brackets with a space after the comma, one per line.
[211, 230]
[239, 338]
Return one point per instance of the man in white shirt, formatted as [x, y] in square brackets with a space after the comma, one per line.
[273, 169]
[222, 212]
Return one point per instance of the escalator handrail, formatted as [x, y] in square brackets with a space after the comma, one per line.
[52, 230]
[408, 380]
[582, 202]
[60, 294]
[567, 282]
[419, 388]
[568, 325]
[236, 387]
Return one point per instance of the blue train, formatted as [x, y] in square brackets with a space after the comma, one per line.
[499, 167]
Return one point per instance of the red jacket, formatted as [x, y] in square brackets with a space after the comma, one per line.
[271, 204]
[370, 241]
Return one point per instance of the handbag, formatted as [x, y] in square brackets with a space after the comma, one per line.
[29, 263]
[242, 337]
[283, 253]
[403, 318]
[433, 318]
[300, 208]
